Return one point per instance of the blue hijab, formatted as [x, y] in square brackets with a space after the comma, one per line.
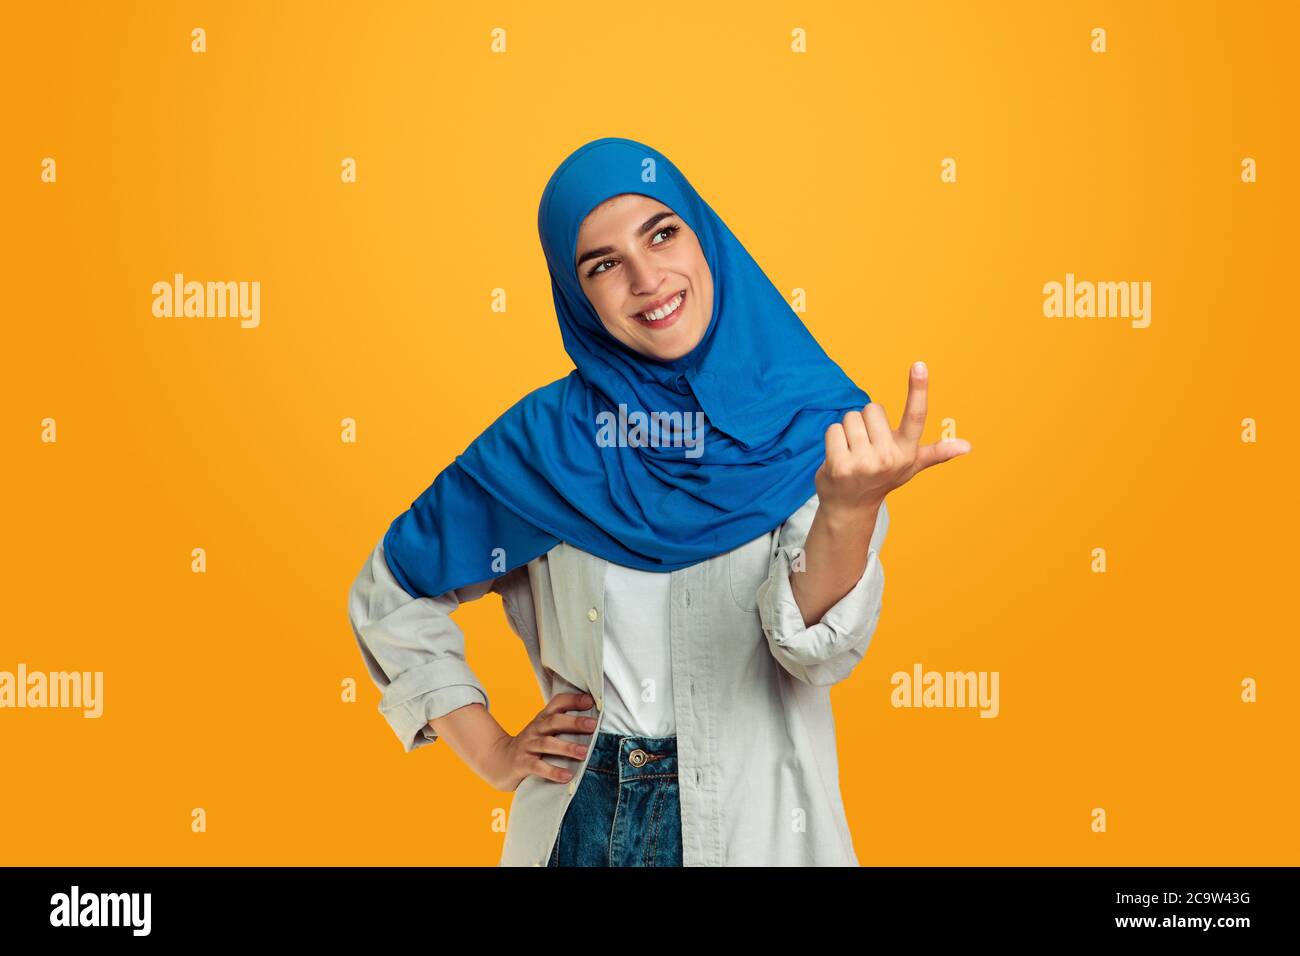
[538, 475]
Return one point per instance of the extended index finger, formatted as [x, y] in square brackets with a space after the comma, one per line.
[913, 423]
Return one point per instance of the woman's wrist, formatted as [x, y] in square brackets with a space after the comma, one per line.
[845, 518]
[835, 555]
[474, 734]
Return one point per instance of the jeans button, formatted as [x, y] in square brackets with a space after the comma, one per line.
[637, 758]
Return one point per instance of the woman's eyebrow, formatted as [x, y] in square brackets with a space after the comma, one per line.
[606, 250]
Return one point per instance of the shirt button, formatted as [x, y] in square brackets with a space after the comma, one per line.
[537, 864]
[573, 785]
[593, 614]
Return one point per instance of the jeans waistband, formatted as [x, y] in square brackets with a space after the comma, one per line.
[630, 757]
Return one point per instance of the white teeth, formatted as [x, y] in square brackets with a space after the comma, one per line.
[667, 310]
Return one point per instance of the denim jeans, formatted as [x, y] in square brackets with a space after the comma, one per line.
[626, 810]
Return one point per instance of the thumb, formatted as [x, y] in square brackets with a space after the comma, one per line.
[938, 452]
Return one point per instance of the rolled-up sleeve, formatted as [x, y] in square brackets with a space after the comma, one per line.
[827, 651]
[414, 651]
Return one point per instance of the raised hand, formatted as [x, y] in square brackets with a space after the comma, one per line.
[865, 459]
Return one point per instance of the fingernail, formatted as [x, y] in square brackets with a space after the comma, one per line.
[590, 722]
[919, 368]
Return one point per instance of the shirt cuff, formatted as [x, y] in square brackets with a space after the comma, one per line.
[846, 626]
[425, 693]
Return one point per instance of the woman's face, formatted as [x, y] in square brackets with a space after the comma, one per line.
[635, 255]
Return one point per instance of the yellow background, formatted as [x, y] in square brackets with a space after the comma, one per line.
[222, 690]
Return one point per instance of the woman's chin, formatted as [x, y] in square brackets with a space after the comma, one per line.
[672, 345]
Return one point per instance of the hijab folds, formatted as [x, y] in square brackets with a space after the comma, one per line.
[545, 471]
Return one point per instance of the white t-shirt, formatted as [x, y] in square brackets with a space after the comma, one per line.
[638, 662]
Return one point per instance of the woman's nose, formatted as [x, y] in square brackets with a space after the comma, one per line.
[644, 276]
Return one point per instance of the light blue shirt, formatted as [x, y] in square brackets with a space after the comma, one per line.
[757, 758]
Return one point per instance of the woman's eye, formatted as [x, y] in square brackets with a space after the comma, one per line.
[670, 230]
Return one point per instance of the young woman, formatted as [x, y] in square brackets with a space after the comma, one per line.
[685, 533]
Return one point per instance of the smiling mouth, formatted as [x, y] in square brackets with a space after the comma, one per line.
[667, 314]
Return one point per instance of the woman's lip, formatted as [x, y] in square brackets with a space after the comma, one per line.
[658, 305]
[668, 320]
